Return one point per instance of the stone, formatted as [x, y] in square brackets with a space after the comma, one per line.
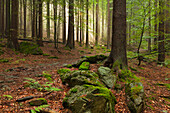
[106, 76]
[79, 62]
[89, 99]
[135, 97]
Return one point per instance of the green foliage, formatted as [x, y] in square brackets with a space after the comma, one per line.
[136, 90]
[84, 66]
[167, 63]
[30, 48]
[47, 75]
[69, 66]
[2, 60]
[53, 57]
[39, 108]
[45, 54]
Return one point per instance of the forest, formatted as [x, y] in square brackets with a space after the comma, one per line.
[84, 56]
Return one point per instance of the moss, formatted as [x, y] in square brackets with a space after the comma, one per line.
[45, 54]
[63, 71]
[73, 90]
[84, 66]
[69, 66]
[30, 48]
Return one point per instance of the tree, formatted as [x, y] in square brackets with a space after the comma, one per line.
[78, 18]
[118, 50]
[21, 16]
[1, 18]
[149, 40]
[48, 19]
[25, 18]
[55, 22]
[161, 41]
[70, 41]
[108, 24]
[87, 18]
[156, 26]
[64, 22]
[39, 40]
[34, 20]
[14, 24]
[97, 22]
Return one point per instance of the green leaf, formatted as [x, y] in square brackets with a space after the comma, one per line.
[37, 109]
[33, 111]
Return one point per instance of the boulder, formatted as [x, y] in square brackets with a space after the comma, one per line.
[80, 77]
[79, 62]
[96, 58]
[90, 99]
[135, 97]
[106, 76]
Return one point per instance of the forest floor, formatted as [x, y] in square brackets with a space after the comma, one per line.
[12, 74]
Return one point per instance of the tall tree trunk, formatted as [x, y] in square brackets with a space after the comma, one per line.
[55, 22]
[78, 18]
[21, 17]
[70, 40]
[102, 19]
[156, 26]
[97, 22]
[58, 27]
[7, 32]
[39, 41]
[14, 24]
[108, 24]
[48, 19]
[93, 18]
[118, 50]
[25, 18]
[167, 22]
[34, 20]
[87, 26]
[149, 40]
[1, 18]
[64, 22]
[161, 41]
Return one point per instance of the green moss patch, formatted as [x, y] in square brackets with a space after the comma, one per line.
[30, 48]
[2, 60]
[84, 66]
[53, 57]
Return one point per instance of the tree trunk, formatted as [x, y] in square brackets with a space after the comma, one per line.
[93, 18]
[34, 20]
[118, 50]
[102, 19]
[156, 26]
[39, 41]
[58, 27]
[97, 22]
[64, 22]
[87, 26]
[14, 24]
[55, 22]
[161, 45]
[78, 18]
[21, 17]
[149, 40]
[70, 40]
[48, 19]
[25, 18]
[108, 24]
[1, 19]
[7, 32]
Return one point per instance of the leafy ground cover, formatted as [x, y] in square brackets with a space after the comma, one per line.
[155, 79]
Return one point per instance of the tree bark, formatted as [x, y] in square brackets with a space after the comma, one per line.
[118, 50]
[156, 26]
[70, 40]
[64, 22]
[108, 24]
[48, 19]
[161, 41]
[25, 18]
[34, 20]
[87, 28]
[14, 24]
[55, 22]
[149, 40]
[97, 22]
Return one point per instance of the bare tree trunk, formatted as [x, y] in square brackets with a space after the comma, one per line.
[108, 24]
[156, 27]
[78, 18]
[48, 19]
[97, 23]
[102, 19]
[64, 22]
[93, 18]
[70, 40]
[34, 20]
[118, 50]
[149, 40]
[39, 41]
[14, 24]
[87, 26]
[25, 18]
[58, 27]
[161, 38]
[55, 22]
[21, 17]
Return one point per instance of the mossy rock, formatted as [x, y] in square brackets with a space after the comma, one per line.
[96, 58]
[30, 48]
[106, 76]
[68, 65]
[79, 62]
[84, 66]
[135, 97]
[63, 71]
[80, 78]
[90, 99]
[38, 102]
